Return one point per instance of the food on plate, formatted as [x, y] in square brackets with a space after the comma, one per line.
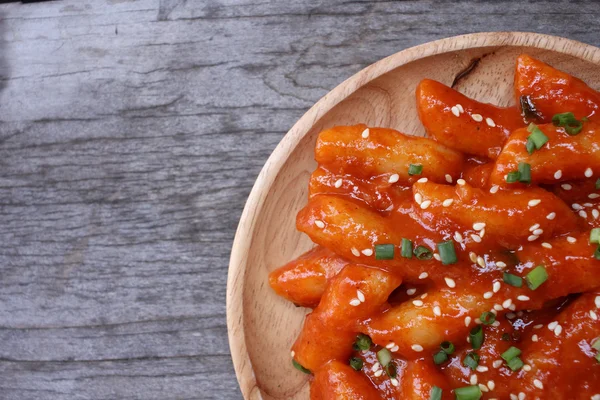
[461, 266]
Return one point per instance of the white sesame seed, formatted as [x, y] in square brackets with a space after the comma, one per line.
[338, 183]
[551, 216]
[437, 311]
[477, 117]
[360, 296]
[513, 397]
[588, 205]
[576, 206]
[423, 295]
[596, 397]
[552, 325]
[473, 379]
[521, 396]
[437, 257]
[482, 368]
[494, 311]
[512, 307]
[367, 252]
[597, 301]
[477, 321]
[482, 233]
[507, 303]
[533, 227]
[593, 196]
[460, 108]
[595, 213]
[378, 373]
[418, 303]
[494, 189]
[320, 224]
[365, 133]
[490, 122]
[582, 214]
[418, 198]
[476, 238]
[483, 388]
[394, 178]
[488, 295]
[450, 282]
[467, 321]
[534, 202]
[538, 384]
[355, 252]
[458, 237]
[497, 364]
[588, 173]
[511, 315]
[566, 186]
[448, 178]
[390, 345]
[394, 381]
[292, 353]
[461, 182]
[423, 180]
[478, 226]
[558, 174]
[501, 264]
[531, 238]
[534, 338]
[496, 286]
[411, 291]
[571, 239]
[447, 202]
[523, 298]
[538, 232]
[355, 302]
[547, 245]
[375, 366]
[481, 261]
[423, 275]
[417, 347]
[395, 349]
[455, 111]
[593, 315]
[472, 257]
[538, 326]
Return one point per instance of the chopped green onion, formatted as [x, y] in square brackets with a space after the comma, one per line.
[415, 169]
[511, 353]
[423, 253]
[447, 252]
[515, 364]
[524, 172]
[384, 251]
[597, 253]
[362, 343]
[569, 122]
[440, 357]
[300, 367]
[468, 393]
[476, 335]
[391, 370]
[356, 363]
[384, 357]
[529, 146]
[447, 347]
[506, 337]
[596, 344]
[435, 394]
[471, 360]
[598, 357]
[595, 235]
[512, 280]
[487, 318]
[407, 248]
[536, 277]
[537, 138]
[531, 127]
[513, 177]
[598, 184]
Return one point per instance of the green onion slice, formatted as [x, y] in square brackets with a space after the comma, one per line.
[511, 353]
[435, 394]
[487, 318]
[407, 248]
[513, 177]
[384, 357]
[471, 360]
[515, 364]
[300, 367]
[569, 122]
[529, 146]
[477, 337]
[524, 172]
[512, 280]
[447, 252]
[595, 235]
[597, 253]
[440, 357]
[384, 251]
[447, 347]
[356, 363]
[598, 357]
[391, 370]
[598, 184]
[468, 393]
[536, 277]
[415, 169]
[362, 343]
[423, 253]
[596, 344]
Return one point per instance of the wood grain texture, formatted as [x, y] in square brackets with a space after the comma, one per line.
[131, 134]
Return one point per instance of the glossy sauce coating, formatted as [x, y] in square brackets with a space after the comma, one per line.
[362, 196]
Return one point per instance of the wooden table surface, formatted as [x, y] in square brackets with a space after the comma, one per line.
[131, 134]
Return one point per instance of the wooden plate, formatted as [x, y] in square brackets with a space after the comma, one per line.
[262, 326]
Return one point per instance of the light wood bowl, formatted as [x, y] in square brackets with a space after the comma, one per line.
[262, 326]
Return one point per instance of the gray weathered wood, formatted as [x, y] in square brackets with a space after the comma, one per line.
[130, 135]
